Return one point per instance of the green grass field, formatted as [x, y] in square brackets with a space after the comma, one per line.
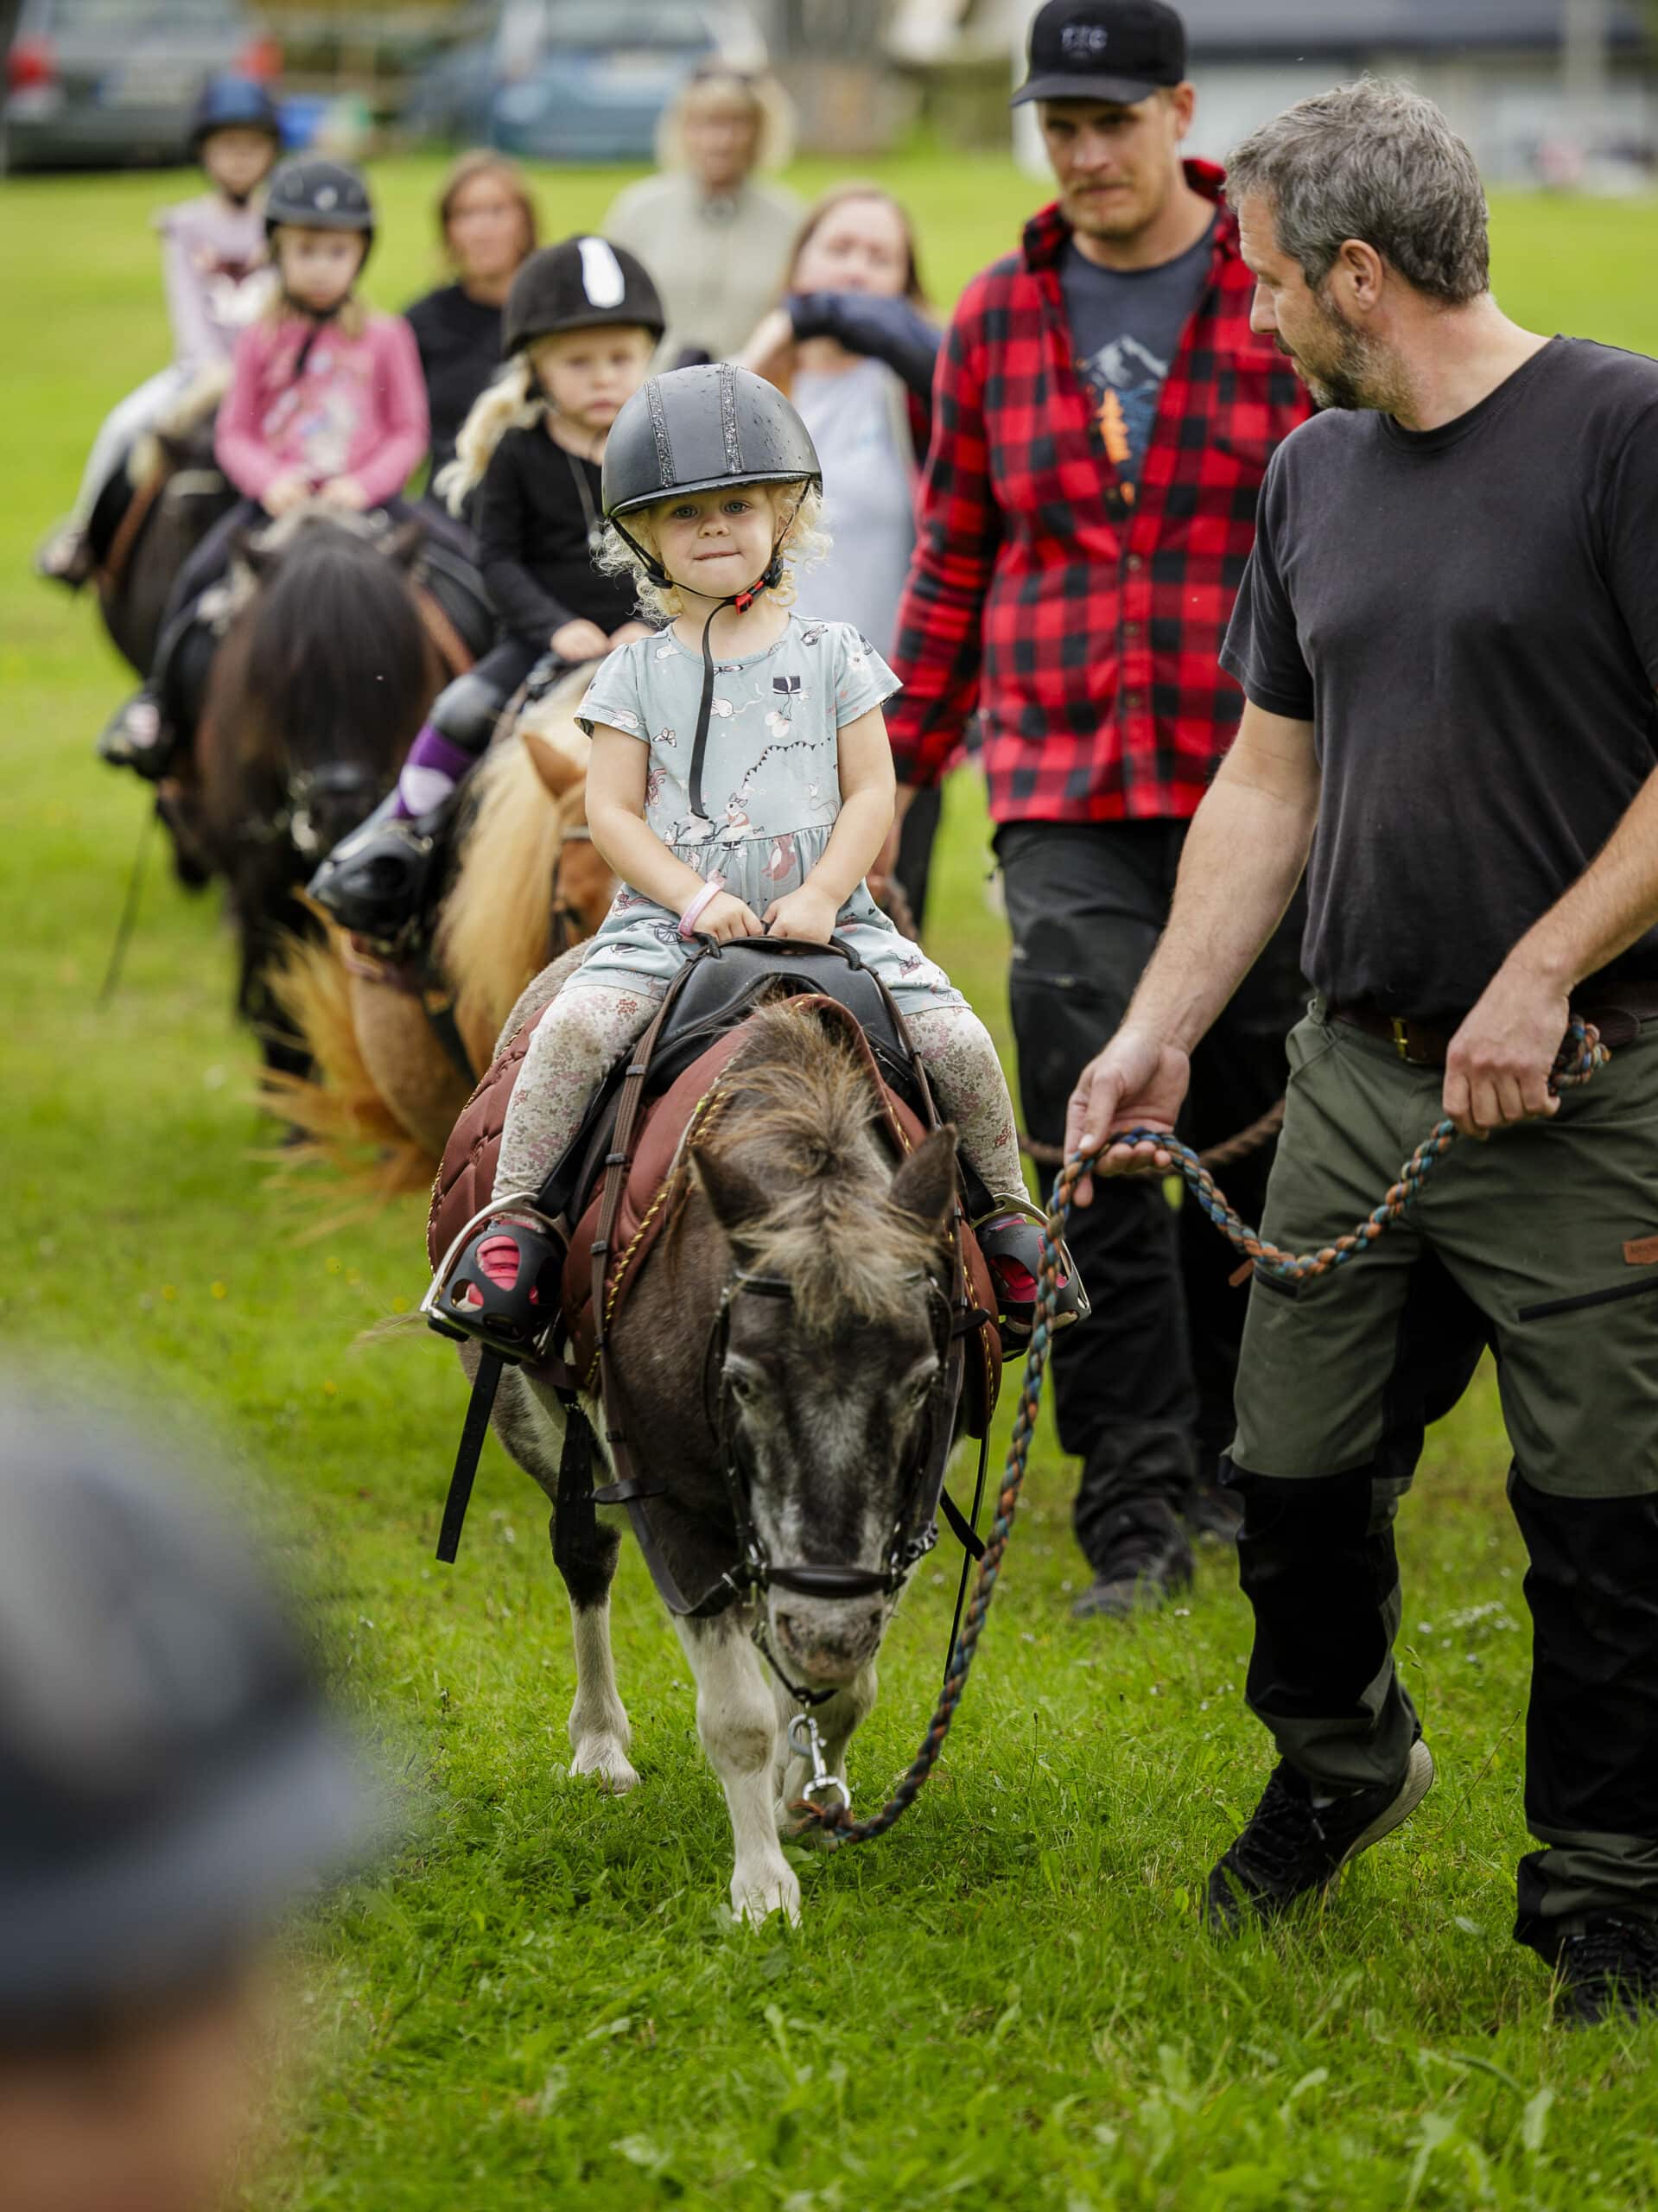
[1008, 2002]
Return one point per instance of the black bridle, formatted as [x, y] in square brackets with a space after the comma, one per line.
[915, 1529]
[294, 822]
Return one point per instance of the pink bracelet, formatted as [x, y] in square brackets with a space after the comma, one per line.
[705, 897]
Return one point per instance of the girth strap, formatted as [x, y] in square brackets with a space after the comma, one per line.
[479, 1406]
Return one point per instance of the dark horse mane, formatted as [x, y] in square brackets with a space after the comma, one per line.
[321, 682]
[337, 663]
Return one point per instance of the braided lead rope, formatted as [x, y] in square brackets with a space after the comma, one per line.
[1580, 1056]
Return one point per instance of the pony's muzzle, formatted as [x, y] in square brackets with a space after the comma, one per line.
[827, 1639]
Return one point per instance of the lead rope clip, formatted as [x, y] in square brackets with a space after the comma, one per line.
[805, 1742]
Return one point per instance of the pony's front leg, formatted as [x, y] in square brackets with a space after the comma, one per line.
[838, 1720]
[737, 1720]
[599, 1729]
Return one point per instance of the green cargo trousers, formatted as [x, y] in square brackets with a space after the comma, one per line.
[1541, 1243]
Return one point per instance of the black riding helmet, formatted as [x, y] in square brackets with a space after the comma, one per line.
[692, 430]
[317, 195]
[170, 1777]
[581, 283]
[231, 103]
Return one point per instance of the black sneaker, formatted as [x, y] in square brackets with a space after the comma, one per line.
[1212, 1516]
[1609, 1970]
[1293, 1848]
[1142, 1569]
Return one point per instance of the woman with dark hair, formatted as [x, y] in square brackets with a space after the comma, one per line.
[854, 345]
[486, 227]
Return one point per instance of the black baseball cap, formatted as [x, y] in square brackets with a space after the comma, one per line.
[1119, 50]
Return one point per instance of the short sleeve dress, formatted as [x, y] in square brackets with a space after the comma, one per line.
[770, 780]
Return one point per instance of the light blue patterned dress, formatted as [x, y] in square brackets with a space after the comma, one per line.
[770, 779]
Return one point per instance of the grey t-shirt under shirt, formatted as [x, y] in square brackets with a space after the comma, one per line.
[1126, 326]
[1469, 617]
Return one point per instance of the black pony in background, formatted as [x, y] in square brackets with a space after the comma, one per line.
[324, 674]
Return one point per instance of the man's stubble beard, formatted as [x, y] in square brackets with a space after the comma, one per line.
[1359, 375]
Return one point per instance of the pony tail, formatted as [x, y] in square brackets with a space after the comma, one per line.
[509, 403]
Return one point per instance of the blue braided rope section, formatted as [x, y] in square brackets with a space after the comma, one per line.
[1581, 1055]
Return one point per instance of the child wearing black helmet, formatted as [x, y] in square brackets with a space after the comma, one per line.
[218, 282]
[582, 320]
[740, 782]
[325, 403]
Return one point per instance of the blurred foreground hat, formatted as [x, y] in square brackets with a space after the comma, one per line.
[1120, 50]
[170, 1776]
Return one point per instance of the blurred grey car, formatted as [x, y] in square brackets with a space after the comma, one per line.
[102, 84]
[578, 80]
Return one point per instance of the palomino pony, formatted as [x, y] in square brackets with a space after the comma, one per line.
[528, 882]
[323, 679]
[823, 1392]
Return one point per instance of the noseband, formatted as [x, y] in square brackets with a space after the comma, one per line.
[295, 821]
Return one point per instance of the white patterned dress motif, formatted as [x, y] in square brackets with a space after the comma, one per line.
[770, 786]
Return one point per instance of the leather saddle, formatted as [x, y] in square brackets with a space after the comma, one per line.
[720, 987]
[674, 1076]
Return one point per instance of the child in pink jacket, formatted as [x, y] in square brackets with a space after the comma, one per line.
[326, 403]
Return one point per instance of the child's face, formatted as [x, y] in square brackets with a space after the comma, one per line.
[238, 161]
[716, 543]
[588, 375]
[318, 267]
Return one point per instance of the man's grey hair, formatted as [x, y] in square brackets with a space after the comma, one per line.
[1378, 163]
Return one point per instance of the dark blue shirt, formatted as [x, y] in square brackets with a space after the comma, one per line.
[1125, 330]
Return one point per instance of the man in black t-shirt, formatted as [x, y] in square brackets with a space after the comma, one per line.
[1448, 640]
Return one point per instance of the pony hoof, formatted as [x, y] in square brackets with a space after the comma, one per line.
[754, 1903]
[603, 1757]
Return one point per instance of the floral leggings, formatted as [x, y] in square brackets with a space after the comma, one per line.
[584, 1031]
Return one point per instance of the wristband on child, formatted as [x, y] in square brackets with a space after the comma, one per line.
[705, 897]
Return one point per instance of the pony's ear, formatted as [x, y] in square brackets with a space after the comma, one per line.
[557, 771]
[403, 546]
[925, 1187]
[737, 1199]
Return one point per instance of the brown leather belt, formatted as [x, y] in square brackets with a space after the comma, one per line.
[1617, 1015]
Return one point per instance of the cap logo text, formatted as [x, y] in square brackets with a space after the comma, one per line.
[1085, 39]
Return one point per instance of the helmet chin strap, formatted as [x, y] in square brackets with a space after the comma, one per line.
[319, 318]
[740, 601]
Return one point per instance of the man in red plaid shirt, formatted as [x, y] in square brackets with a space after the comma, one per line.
[1103, 419]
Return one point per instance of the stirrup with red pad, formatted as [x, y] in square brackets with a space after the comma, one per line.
[1011, 1245]
[501, 1285]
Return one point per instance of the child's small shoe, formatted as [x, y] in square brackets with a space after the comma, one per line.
[1011, 1241]
[137, 736]
[65, 557]
[503, 1287]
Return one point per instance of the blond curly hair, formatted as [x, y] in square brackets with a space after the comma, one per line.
[804, 540]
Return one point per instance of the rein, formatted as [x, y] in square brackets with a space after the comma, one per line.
[1580, 1056]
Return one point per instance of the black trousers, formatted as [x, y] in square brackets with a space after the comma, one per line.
[1143, 1388]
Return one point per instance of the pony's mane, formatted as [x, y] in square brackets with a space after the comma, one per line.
[802, 1120]
[493, 933]
[331, 591]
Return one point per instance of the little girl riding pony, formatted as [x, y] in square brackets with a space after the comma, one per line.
[734, 794]
[217, 279]
[326, 403]
[582, 320]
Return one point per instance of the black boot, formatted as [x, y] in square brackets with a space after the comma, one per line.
[1293, 1847]
[1140, 1559]
[1608, 1970]
[377, 882]
[139, 735]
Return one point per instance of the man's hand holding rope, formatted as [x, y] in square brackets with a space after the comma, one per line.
[1138, 1081]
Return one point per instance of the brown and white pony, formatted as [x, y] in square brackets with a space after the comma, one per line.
[820, 1391]
[175, 492]
[528, 883]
